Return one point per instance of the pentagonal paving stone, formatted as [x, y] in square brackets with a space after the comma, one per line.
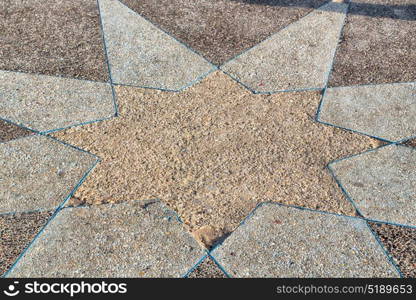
[378, 44]
[221, 29]
[54, 37]
[214, 151]
[297, 57]
[132, 239]
[16, 233]
[386, 111]
[141, 54]
[10, 131]
[381, 183]
[400, 241]
[38, 172]
[207, 269]
[45, 102]
[280, 241]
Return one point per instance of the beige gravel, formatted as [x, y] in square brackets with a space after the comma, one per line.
[215, 150]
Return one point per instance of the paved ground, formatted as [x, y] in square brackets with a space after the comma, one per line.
[226, 138]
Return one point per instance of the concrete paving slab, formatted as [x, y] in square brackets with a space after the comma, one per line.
[401, 243]
[52, 37]
[381, 183]
[16, 232]
[129, 240]
[297, 57]
[10, 131]
[387, 111]
[221, 29]
[280, 241]
[46, 103]
[377, 45]
[207, 269]
[141, 54]
[37, 172]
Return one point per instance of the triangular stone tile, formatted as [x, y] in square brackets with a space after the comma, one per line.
[140, 54]
[221, 29]
[53, 38]
[38, 172]
[297, 57]
[386, 111]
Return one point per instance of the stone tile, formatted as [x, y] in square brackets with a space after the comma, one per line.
[378, 44]
[53, 37]
[45, 102]
[411, 143]
[10, 131]
[130, 240]
[141, 54]
[386, 111]
[279, 241]
[401, 244]
[297, 57]
[381, 183]
[207, 269]
[221, 29]
[214, 151]
[37, 172]
[17, 231]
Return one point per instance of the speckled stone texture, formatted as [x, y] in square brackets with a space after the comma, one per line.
[37, 172]
[378, 44]
[10, 131]
[279, 241]
[207, 269]
[297, 57]
[381, 183]
[129, 240]
[141, 54]
[401, 244]
[215, 150]
[386, 111]
[221, 29]
[16, 232]
[53, 37]
[45, 102]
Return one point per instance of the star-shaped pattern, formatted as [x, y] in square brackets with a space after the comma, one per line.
[214, 151]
